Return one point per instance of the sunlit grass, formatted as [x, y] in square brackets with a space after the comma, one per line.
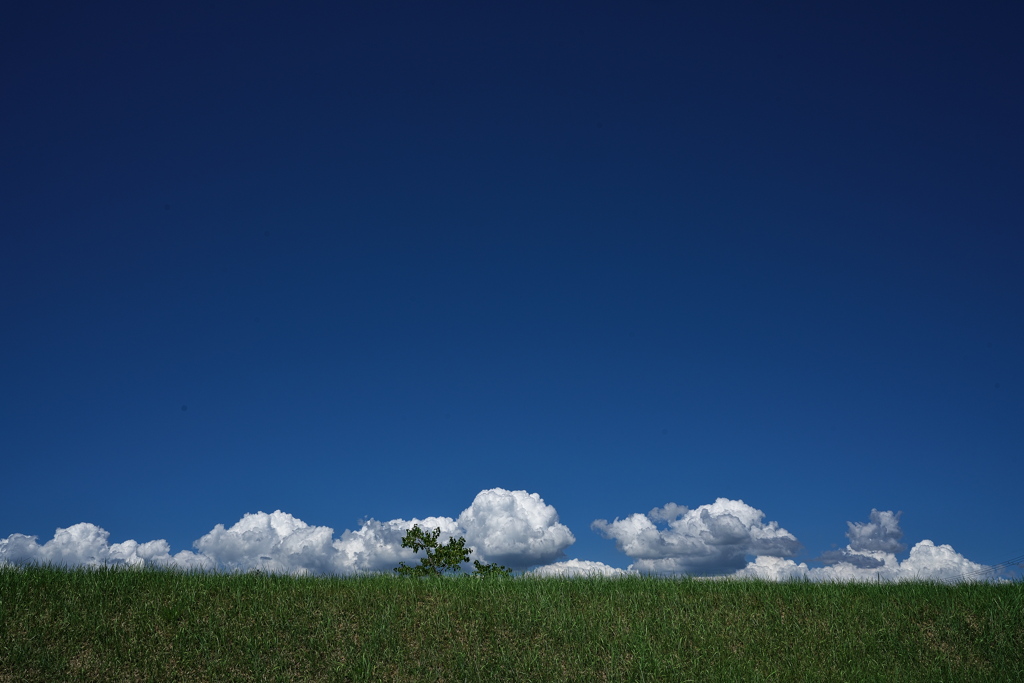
[126, 625]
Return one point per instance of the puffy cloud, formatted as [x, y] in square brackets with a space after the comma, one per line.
[276, 542]
[190, 561]
[514, 528]
[871, 556]
[937, 563]
[771, 568]
[710, 539]
[861, 560]
[84, 544]
[717, 540]
[927, 562]
[281, 543]
[519, 529]
[573, 568]
[377, 546]
[881, 533]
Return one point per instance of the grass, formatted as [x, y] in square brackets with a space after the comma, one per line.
[159, 625]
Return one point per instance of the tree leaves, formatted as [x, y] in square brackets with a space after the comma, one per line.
[442, 560]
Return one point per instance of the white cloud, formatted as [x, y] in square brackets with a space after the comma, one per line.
[573, 568]
[377, 546]
[281, 543]
[519, 529]
[514, 528]
[717, 540]
[870, 542]
[927, 562]
[710, 539]
[276, 542]
[881, 533]
[83, 544]
[871, 556]
[772, 569]
[936, 563]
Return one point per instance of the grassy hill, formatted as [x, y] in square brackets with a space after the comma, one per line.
[141, 625]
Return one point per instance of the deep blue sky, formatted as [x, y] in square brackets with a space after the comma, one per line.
[366, 260]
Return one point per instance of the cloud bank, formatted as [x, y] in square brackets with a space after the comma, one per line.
[871, 556]
[710, 539]
[881, 535]
[575, 568]
[727, 538]
[514, 528]
[716, 539]
[927, 562]
[85, 544]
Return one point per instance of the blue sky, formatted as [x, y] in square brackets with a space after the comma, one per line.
[367, 261]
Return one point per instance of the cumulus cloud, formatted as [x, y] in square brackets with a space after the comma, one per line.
[707, 540]
[275, 542]
[871, 556]
[936, 563]
[574, 568]
[861, 560]
[882, 533]
[927, 562]
[727, 538]
[719, 540]
[88, 545]
[377, 546]
[772, 569]
[515, 528]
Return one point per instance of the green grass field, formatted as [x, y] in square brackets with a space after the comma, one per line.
[153, 625]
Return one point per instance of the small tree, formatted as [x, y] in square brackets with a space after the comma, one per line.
[490, 569]
[442, 559]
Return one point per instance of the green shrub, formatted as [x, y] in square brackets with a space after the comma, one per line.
[444, 559]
